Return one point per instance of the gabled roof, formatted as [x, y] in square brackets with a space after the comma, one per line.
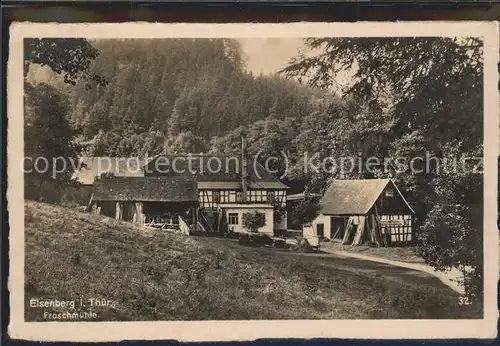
[146, 189]
[228, 177]
[205, 169]
[92, 167]
[354, 197]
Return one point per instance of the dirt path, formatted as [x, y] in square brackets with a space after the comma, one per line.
[357, 265]
[449, 278]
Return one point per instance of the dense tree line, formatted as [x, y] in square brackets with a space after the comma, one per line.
[162, 93]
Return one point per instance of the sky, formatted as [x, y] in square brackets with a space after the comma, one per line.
[269, 55]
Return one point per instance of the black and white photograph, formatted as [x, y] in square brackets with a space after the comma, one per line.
[254, 180]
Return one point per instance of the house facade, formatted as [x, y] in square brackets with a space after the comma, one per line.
[225, 179]
[233, 216]
[370, 211]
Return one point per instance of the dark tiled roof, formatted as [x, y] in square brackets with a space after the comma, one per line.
[205, 169]
[353, 197]
[147, 189]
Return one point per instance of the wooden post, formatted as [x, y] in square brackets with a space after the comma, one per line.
[118, 211]
[413, 231]
[95, 209]
[139, 219]
[194, 210]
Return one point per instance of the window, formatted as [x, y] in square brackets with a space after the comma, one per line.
[216, 196]
[225, 196]
[232, 219]
[270, 196]
[389, 193]
[239, 196]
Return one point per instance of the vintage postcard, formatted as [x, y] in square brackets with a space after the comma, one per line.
[205, 182]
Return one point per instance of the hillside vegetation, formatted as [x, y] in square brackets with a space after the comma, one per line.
[161, 89]
[154, 275]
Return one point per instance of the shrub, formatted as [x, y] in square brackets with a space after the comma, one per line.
[452, 237]
[304, 212]
[254, 221]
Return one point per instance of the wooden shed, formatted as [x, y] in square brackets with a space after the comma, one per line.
[372, 211]
[146, 199]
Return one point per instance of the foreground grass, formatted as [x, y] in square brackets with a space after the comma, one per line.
[152, 275]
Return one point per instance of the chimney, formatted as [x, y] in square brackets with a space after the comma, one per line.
[244, 173]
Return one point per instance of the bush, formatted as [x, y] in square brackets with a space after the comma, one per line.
[244, 239]
[51, 191]
[304, 212]
[452, 237]
[254, 239]
[254, 221]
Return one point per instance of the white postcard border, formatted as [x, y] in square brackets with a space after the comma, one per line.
[255, 329]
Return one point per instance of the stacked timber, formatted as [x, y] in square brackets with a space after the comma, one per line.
[358, 237]
[348, 231]
[368, 229]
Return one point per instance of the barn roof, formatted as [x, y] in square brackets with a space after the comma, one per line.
[146, 189]
[228, 177]
[354, 197]
[205, 169]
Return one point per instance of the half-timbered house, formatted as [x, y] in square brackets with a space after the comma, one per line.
[225, 179]
[365, 211]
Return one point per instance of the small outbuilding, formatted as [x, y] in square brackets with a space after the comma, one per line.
[370, 211]
[146, 199]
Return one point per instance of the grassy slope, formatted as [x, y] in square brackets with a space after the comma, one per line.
[162, 276]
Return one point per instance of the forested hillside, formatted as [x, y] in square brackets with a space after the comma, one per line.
[176, 95]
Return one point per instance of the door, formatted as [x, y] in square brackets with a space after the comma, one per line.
[320, 230]
[337, 227]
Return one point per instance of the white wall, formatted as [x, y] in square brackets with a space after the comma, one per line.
[268, 212]
[308, 231]
[325, 220]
